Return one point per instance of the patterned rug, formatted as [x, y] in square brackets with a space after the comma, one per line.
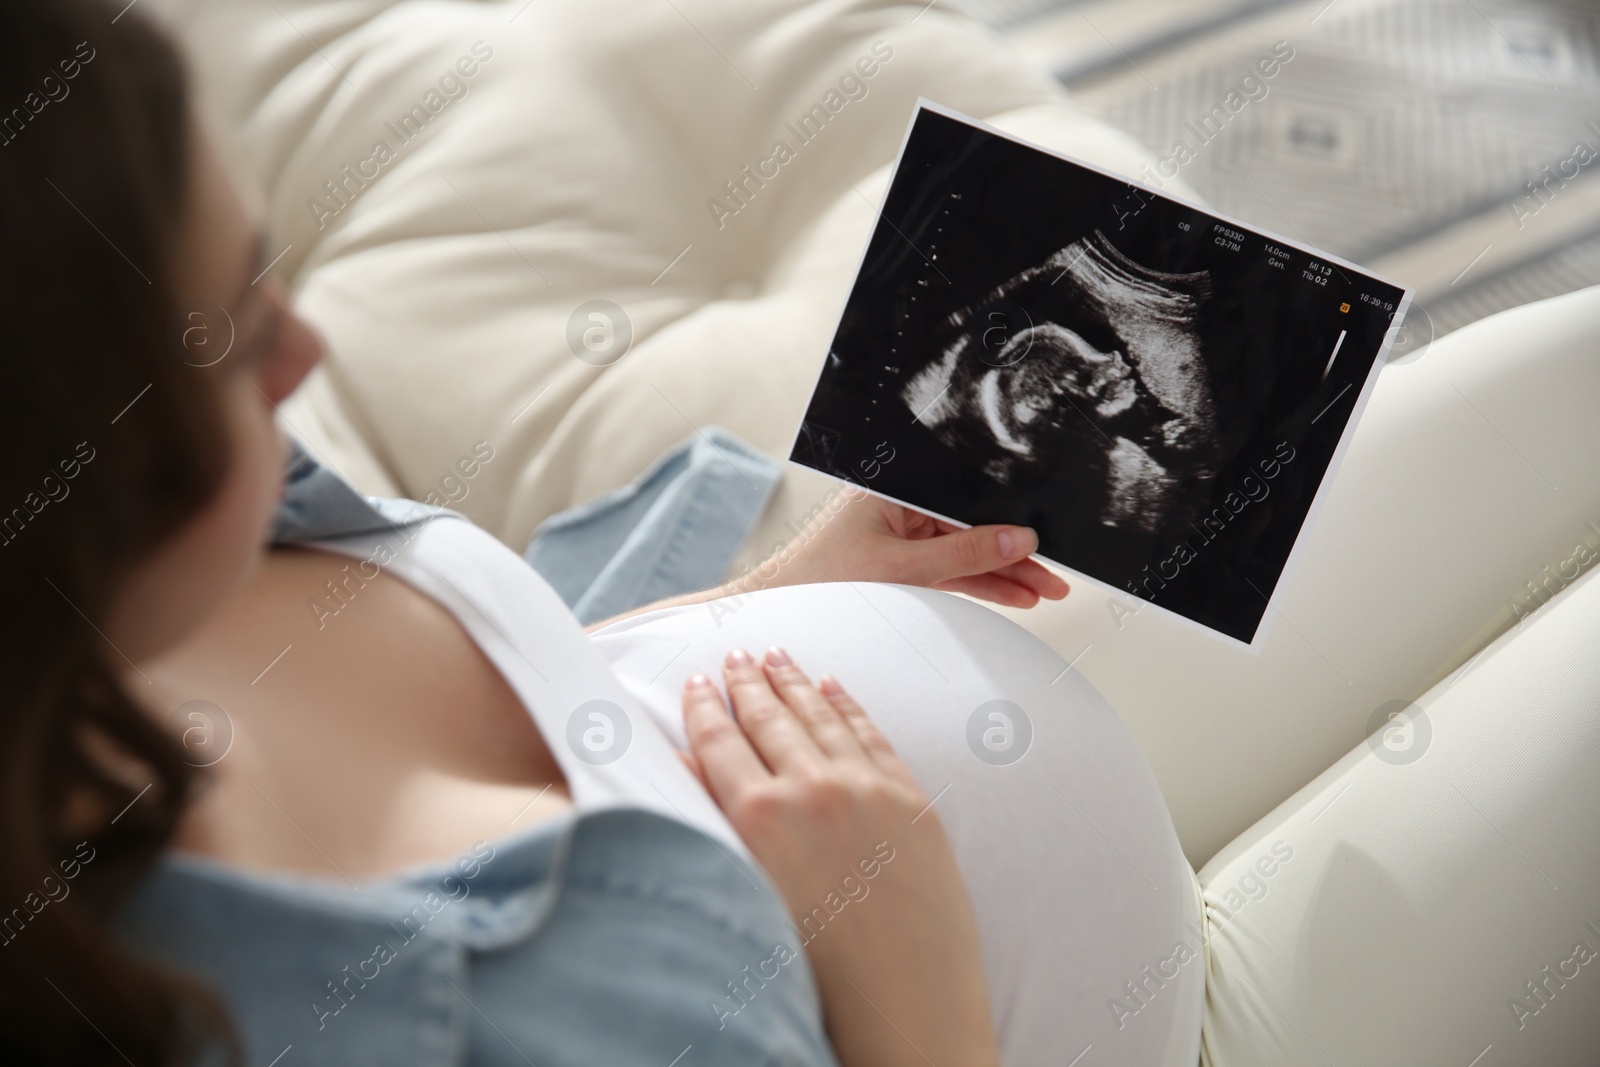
[1446, 143]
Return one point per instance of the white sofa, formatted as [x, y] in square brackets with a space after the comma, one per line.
[576, 162]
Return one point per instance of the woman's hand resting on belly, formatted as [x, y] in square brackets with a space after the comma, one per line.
[859, 855]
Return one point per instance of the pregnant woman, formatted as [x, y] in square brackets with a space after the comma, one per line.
[293, 776]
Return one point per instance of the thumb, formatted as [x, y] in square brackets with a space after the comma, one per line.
[977, 550]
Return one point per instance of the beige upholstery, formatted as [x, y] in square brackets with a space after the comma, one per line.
[578, 166]
[1430, 910]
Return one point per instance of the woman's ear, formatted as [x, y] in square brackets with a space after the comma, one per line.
[296, 350]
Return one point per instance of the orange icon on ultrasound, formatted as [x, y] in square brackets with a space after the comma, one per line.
[1344, 309]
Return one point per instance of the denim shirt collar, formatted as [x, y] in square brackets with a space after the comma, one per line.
[675, 529]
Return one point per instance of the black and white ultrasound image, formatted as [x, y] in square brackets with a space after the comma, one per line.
[1157, 393]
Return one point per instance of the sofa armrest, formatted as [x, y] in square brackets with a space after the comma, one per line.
[1432, 894]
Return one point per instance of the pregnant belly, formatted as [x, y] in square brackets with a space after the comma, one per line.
[1087, 907]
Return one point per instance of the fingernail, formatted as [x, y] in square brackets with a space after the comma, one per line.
[829, 686]
[697, 681]
[777, 657]
[1016, 543]
[739, 658]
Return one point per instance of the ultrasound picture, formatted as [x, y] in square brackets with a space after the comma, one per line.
[1157, 391]
[1107, 369]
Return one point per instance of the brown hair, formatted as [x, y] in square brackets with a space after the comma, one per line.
[111, 444]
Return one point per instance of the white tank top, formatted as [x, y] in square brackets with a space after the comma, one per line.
[612, 753]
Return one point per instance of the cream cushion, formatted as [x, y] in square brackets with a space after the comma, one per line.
[579, 165]
[1435, 911]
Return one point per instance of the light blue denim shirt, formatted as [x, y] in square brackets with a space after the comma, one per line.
[617, 937]
[673, 530]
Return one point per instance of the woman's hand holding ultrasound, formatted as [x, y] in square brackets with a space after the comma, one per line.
[870, 539]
